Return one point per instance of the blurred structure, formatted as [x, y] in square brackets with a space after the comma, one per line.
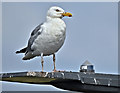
[87, 67]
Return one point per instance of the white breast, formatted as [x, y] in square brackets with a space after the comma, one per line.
[51, 39]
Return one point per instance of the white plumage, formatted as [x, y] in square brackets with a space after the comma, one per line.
[48, 37]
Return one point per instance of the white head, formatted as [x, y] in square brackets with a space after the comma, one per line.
[57, 12]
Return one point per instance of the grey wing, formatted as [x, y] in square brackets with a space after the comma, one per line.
[36, 29]
[35, 33]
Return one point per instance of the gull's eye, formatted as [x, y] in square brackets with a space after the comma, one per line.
[57, 10]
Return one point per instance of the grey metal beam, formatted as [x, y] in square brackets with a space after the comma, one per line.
[75, 81]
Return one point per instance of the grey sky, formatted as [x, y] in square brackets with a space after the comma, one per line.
[92, 34]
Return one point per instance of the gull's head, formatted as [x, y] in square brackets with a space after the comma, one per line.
[57, 12]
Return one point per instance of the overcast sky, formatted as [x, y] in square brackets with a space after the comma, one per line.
[92, 34]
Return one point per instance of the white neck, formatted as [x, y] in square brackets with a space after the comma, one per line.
[51, 19]
[57, 21]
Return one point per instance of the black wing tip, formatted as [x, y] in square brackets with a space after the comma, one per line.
[22, 50]
[17, 52]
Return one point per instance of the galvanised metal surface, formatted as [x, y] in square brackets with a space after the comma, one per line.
[76, 81]
[88, 78]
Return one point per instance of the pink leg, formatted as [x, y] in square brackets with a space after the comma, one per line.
[54, 63]
[42, 61]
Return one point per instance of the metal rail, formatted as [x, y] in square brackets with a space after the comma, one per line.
[75, 81]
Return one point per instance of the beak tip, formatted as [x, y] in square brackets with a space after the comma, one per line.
[70, 15]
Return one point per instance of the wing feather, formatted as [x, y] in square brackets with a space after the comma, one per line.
[35, 33]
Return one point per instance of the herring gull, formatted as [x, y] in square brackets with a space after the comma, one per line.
[47, 38]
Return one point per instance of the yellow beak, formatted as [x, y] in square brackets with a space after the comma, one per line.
[67, 14]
